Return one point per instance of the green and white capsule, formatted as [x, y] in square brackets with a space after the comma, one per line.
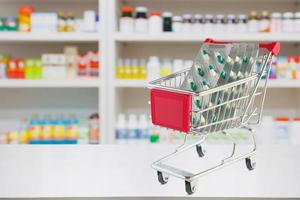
[200, 71]
[213, 72]
[205, 55]
[204, 85]
[192, 84]
[220, 58]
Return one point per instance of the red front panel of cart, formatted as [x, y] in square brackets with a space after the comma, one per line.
[171, 110]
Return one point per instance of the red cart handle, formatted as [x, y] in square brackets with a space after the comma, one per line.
[273, 47]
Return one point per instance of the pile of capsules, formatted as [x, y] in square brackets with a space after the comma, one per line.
[216, 65]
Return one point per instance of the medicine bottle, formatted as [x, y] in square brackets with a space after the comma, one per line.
[198, 23]
[134, 69]
[141, 20]
[177, 24]
[155, 22]
[297, 22]
[264, 23]
[287, 24]
[142, 69]
[187, 25]
[120, 71]
[70, 26]
[208, 26]
[219, 24]
[230, 26]
[276, 22]
[166, 67]
[126, 20]
[253, 22]
[127, 69]
[167, 21]
[241, 23]
[153, 68]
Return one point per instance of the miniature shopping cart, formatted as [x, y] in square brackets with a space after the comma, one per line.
[171, 107]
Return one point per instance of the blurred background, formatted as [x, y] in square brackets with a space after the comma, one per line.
[75, 72]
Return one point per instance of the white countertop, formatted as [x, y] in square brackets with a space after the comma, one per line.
[123, 170]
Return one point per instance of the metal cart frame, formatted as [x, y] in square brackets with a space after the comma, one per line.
[239, 98]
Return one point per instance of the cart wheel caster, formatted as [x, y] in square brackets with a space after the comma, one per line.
[200, 150]
[250, 163]
[163, 179]
[190, 187]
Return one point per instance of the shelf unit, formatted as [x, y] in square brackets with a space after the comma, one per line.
[83, 96]
[114, 96]
[124, 94]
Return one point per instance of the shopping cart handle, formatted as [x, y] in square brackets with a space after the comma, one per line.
[273, 47]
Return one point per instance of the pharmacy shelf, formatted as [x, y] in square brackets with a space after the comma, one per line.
[181, 37]
[49, 37]
[271, 84]
[77, 83]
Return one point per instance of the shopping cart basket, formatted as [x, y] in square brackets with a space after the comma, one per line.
[239, 105]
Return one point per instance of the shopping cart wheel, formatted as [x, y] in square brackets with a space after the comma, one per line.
[250, 163]
[190, 187]
[162, 178]
[200, 150]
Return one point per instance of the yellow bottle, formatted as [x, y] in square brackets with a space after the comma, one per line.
[142, 69]
[134, 69]
[166, 68]
[120, 71]
[127, 67]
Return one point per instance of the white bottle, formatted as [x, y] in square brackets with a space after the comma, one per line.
[276, 22]
[198, 25]
[187, 25]
[126, 20]
[208, 26]
[242, 24]
[153, 68]
[287, 24]
[143, 129]
[253, 22]
[155, 23]
[141, 21]
[121, 130]
[177, 65]
[230, 27]
[177, 24]
[219, 26]
[89, 21]
[133, 133]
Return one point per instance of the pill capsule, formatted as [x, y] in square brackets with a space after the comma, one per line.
[199, 103]
[200, 71]
[229, 60]
[220, 58]
[240, 75]
[223, 75]
[238, 60]
[245, 60]
[232, 75]
[205, 85]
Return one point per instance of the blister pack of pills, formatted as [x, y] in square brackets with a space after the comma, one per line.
[216, 65]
